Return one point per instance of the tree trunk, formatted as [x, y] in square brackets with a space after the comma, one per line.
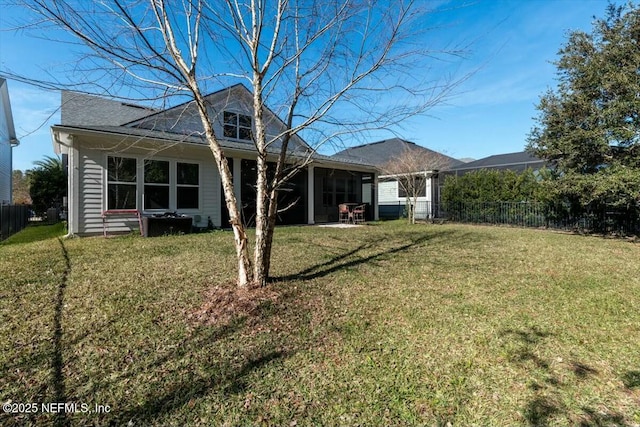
[239, 233]
[262, 250]
[265, 256]
[412, 217]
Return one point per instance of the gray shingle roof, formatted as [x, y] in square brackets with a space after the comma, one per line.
[516, 161]
[381, 152]
[79, 109]
[134, 133]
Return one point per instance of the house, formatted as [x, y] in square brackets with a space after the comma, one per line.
[8, 140]
[425, 165]
[122, 156]
[517, 162]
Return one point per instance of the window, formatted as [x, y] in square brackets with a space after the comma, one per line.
[327, 193]
[416, 188]
[401, 191]
[166, 185]
[237, 126]
[339, 188]
[188, 186]
[345, 189]
[156, 184]
[121, 183]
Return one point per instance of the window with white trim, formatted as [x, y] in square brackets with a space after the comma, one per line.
[121, 183]
[417, 187]
[237, 126]
[165, 184]
[187, 186]
[156, 184]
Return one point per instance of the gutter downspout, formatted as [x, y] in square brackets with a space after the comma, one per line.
[57, 148]
[13, 142]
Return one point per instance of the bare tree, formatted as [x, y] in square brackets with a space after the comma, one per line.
[413, 169]
[327, 68]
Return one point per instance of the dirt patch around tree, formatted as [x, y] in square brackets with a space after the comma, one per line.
[222, 303]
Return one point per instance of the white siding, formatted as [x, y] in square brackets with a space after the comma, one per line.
[210, 190]
[93, 186]
[91, 191]
[388, 192]
[5, 157]
[5, 172]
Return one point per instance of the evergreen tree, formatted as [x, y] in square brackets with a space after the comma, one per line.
[589, 127]
[48, 184]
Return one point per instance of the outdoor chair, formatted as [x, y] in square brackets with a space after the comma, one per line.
[358, 214]
[343, 213]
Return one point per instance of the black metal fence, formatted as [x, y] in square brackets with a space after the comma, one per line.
[13, 218]
[608, 220]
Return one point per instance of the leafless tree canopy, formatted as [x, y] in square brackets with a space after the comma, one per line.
[412, 169]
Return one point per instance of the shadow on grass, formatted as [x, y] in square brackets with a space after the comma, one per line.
[593, 418]
[631, 379]
[350, 258]
[582, 371]
[57, 361]
[188, 345]
[539, 410]
[195, 368]
[192, 387]
[546, 402]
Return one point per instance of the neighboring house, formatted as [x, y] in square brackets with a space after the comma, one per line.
[517, 162]
[123, 156]
[392, 197]
[8, 140]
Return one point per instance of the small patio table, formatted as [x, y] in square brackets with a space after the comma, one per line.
[350, 206]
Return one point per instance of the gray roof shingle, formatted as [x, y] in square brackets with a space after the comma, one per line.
[79, 109]
[381, 152]
[516, 161]
[127, 132]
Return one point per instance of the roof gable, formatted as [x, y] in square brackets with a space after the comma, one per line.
[184, 119]
[6, 120]
[89, 111]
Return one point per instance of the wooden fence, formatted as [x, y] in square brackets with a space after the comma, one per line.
[13, 218]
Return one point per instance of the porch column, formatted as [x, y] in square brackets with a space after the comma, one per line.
[375, 197]
[237, 181]
[311, 217]
[73, 193]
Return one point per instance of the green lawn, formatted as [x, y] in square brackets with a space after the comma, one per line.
[387, 324]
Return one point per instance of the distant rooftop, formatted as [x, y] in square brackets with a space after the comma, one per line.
[380, 152]
[516, 161]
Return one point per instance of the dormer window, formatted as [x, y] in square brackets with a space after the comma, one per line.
[237, 126]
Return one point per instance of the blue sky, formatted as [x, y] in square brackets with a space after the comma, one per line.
[513, 44]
